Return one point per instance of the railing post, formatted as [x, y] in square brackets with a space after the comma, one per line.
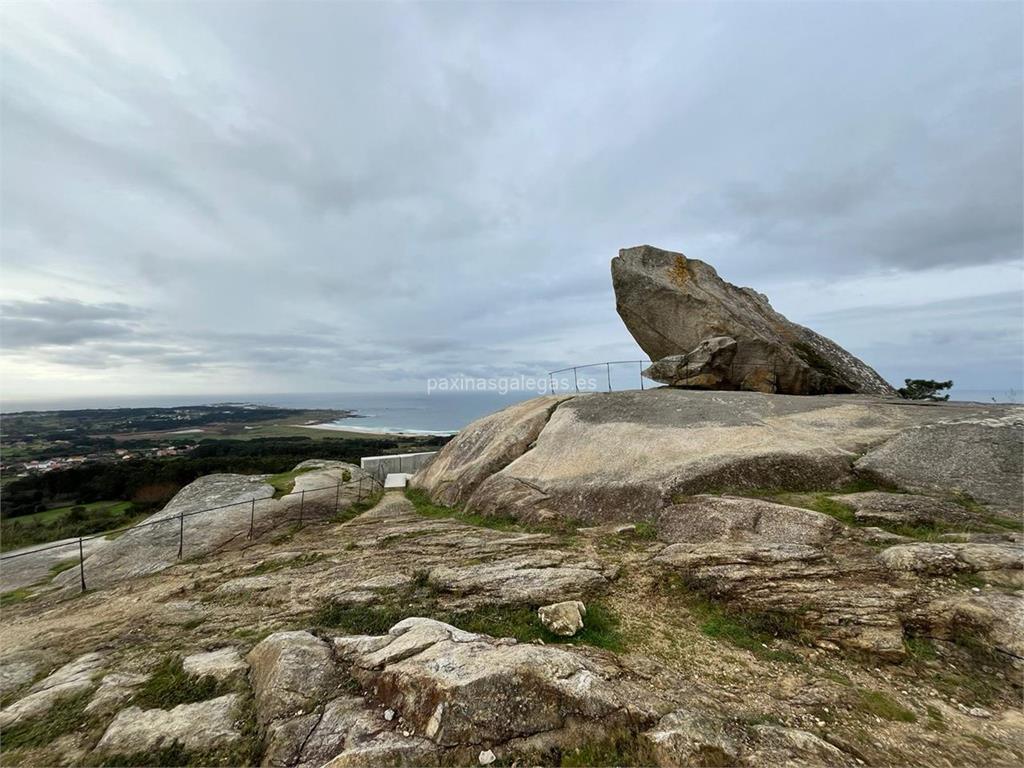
[302, 503]
[337, 496]
[181, 532]
[81, 563]
[641, 375]
[608, 370]
[575, 380]
[252, 516]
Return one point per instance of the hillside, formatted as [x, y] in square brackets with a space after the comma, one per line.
[766, 579]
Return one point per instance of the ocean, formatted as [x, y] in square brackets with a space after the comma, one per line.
[382, 413]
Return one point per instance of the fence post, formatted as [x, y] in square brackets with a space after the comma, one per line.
[81, 563]
[608, 367]
[575, 380]
[252, 516]
[337, 496]
[181, 532]
[302, 503]
[641, 375]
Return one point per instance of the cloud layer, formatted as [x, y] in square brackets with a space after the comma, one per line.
[344, 196]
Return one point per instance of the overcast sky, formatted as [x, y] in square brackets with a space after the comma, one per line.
[256, 197]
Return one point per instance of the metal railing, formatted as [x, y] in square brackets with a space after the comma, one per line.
[765, 367]
[608, 372]
[367, 483]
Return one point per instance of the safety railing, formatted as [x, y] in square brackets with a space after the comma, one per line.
[366, 486]
[767, 368]
[608, 372]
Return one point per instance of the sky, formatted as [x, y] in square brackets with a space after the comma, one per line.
[254, 197]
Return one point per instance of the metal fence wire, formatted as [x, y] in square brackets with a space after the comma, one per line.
[367, 485]
[769, 368]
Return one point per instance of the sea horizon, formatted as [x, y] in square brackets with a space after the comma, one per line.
[437, 413]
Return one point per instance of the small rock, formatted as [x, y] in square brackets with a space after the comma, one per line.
[389, 715]
[565, 618]
[979, 712]
[487, 757]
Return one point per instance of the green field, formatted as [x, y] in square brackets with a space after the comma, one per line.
[96, 508]
[66, 522]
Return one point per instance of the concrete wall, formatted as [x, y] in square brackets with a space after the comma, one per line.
[381, 466]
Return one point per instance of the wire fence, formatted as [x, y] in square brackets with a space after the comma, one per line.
[367, 485]
[768, 369]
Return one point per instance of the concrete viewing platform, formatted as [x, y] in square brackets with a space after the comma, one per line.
[396, 480]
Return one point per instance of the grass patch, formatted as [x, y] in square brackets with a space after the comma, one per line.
[621, 748]
[425, 507]
[62, 566]
[65, 716]
[645, 531]
[15, 596]
[881, 705]
[169, 685]
[936, 722]
[752, 630]
[920, 648]
[600, 625]
[269, 566]
[284, 482]
[357, 508]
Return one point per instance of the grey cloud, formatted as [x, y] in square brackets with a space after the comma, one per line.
[340, 193]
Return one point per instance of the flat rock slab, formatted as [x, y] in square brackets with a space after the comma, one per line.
[221, 664]
[724, 518]
[197, 727]
[879, 507]
[946, 559]
[980, 457]
[536, 577]
[71, 679]
[455, 687]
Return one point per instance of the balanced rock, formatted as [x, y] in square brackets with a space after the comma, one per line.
[565, 618]
[720, 336]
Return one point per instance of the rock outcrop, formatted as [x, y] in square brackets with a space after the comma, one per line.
[719, 336]
[624, 455]
[214, 512]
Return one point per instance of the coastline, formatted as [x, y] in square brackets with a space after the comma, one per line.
[379, 431]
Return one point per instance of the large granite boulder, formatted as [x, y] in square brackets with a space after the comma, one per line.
[625, 456]
[675, 306]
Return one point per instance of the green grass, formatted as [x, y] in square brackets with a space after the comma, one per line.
[67, 522]
[881, 705]
[65, 716]
[753, 630]
[357, 508]
[645, 531]
[618, 748]
[62, 566]
[284, 482]
[600, 625]
[427, 508]
[920, 648]
[269, 566]
[15, 596]
[169, 685]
